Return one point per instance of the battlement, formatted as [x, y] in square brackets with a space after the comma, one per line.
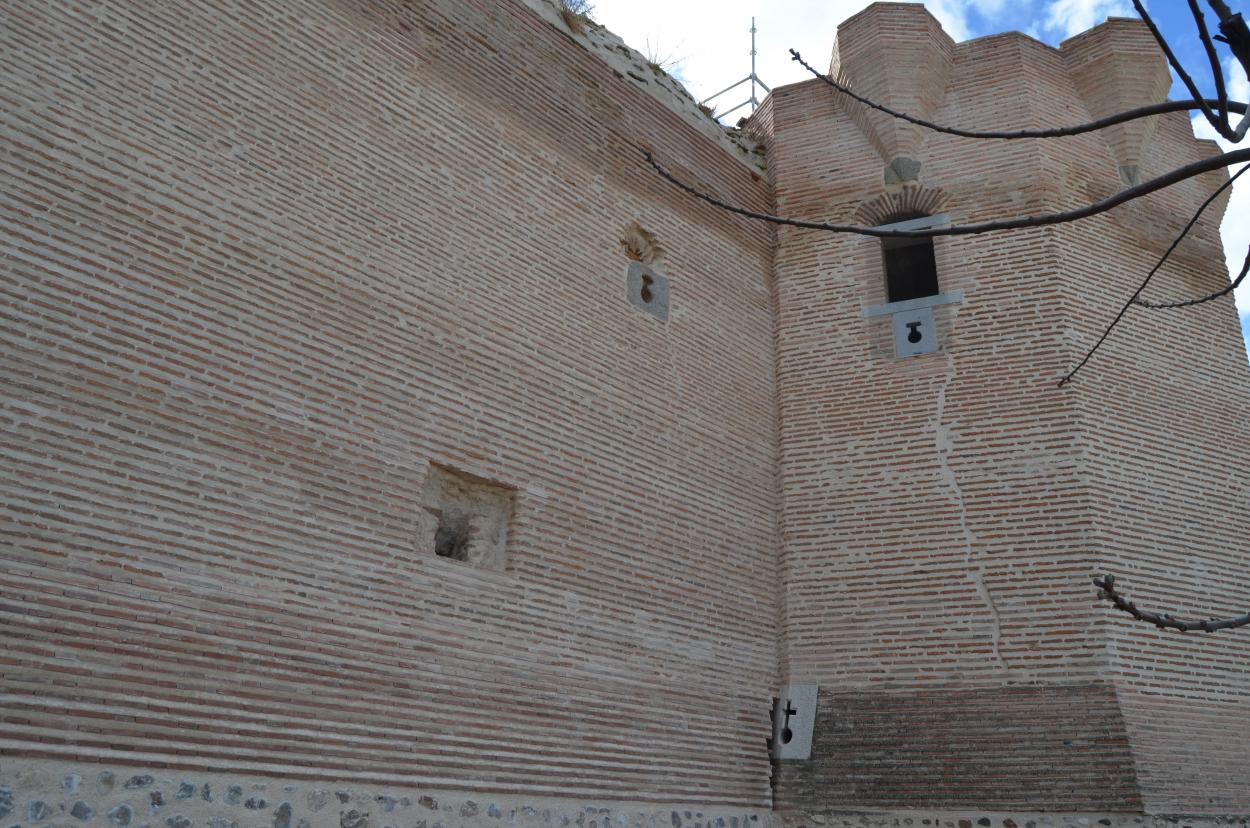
[632, 67]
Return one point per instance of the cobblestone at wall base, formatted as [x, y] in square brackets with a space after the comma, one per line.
[50, 794]
[44, 794]
[999, 819]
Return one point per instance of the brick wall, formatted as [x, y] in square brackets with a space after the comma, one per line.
[263, 264]
[266, 267]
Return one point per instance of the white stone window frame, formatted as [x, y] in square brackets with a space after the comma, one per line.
[920, 308]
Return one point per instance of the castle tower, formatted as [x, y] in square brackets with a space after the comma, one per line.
[944, 502]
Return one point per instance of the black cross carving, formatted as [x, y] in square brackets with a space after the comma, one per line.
[786, 733]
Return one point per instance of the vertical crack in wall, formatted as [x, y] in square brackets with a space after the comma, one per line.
[973, 563]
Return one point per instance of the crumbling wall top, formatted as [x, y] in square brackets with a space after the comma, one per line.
[651, 79]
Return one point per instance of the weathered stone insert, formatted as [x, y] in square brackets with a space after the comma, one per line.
[467, 518]
[647, 289]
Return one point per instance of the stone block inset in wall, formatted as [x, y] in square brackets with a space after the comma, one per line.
[647, 289]
[794, 715]
[467, 518]
[915, 332]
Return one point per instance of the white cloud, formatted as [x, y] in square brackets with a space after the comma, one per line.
[1071, 17]
[1238, 86]
[952, 15]
[989, 8]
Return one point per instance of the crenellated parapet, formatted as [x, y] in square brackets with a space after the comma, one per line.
[898, 55]
[1115, 67]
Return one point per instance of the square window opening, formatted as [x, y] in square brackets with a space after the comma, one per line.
[468, 518]
[910, 268]
[909, 263]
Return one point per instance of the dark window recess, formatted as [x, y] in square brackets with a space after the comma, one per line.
[451, 539]
[910, 267]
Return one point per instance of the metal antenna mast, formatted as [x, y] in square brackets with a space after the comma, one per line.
[752, 78]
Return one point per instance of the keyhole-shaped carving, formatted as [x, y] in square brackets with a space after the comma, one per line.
[913, 332]
[647, 290]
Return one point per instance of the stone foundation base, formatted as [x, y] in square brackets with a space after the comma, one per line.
[39, 793]
[35, 794]
[998, 819]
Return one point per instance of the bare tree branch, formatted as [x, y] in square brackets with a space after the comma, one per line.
[1236, 34]
[1107, 591]
[1217, 71]
[1134, 300]
[1056, 132]
[1220, 127]
[1042, 220]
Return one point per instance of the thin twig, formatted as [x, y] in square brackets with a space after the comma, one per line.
[1162, 620]
[1185, 303]
[1180, 71]
[1042, 220]
[1056, 132]
[1217, 71]
[1134, 300]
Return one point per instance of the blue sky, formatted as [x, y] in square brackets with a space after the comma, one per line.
[706, 44]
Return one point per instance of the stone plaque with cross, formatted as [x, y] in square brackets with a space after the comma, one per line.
[794, 716]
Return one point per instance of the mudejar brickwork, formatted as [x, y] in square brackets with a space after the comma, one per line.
[386, 444]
